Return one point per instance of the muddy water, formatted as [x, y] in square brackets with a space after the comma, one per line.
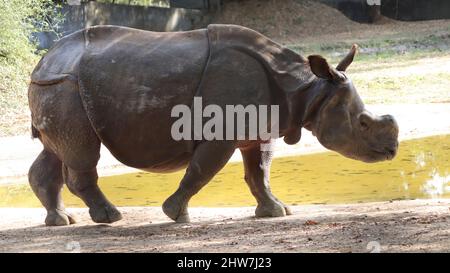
[421, 170]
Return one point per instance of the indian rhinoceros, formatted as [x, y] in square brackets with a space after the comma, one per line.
[116, 86]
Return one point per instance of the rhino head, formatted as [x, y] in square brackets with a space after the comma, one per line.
[335, 114]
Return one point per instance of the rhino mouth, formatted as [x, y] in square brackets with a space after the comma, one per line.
[308, 126]
[387, 152]
[388, 155]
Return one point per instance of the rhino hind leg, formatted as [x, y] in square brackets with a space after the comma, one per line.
[84, 185]
[208, 159]
[63, 127]
[257, 169]
[46, 180]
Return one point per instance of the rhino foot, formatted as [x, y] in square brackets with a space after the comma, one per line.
[184, 218]
[286, 208]
[107, 214]
[274, 209]
[175, 211]
[59, 218]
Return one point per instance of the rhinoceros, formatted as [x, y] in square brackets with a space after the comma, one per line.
[117, 86]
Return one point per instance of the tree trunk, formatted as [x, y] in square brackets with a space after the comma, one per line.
[374, 13]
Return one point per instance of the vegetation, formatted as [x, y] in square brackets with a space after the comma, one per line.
[393, 69]
[19, 19]
[158, 3]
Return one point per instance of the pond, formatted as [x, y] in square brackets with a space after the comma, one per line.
[421, 170]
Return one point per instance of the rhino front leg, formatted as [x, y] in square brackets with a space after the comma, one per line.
[257, 171]
[84, 185]
[208, 159]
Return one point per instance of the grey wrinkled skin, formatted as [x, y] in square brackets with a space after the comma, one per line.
[117, 86]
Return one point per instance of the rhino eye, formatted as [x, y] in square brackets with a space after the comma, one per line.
[363, 124]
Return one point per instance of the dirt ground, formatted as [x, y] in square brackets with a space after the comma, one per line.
[399, 226]
[299, 21]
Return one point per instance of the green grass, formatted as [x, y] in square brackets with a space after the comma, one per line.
[377, 55]
[382, 48]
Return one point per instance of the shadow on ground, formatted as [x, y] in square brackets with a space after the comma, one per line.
[412, 226]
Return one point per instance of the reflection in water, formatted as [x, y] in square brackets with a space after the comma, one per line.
[437, 186]
[421, 170]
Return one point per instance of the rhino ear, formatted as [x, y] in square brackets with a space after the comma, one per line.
[345, 63]
[321, 68]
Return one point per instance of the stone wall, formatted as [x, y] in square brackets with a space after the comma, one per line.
[414, 10]
[406, 10]
[177, 19]
[148, 18]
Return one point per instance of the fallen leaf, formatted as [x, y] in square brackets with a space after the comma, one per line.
[310, 223]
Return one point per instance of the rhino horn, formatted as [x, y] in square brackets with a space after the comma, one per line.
[343, 65]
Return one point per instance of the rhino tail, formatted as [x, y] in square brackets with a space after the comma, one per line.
[34, 132]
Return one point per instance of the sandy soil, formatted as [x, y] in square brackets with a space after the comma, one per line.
[399, 226]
